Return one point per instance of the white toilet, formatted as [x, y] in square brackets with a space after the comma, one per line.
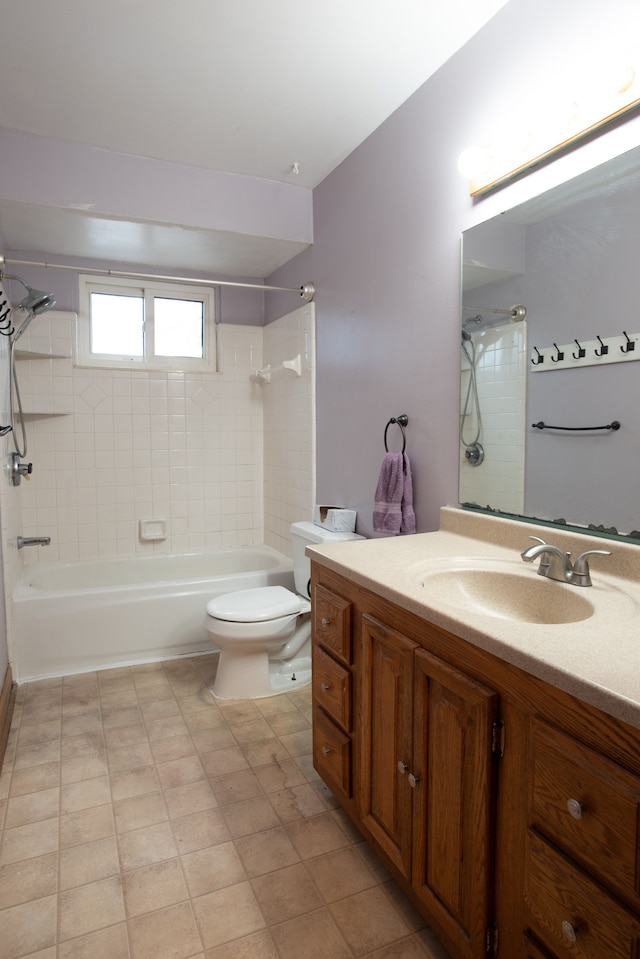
[264, 634]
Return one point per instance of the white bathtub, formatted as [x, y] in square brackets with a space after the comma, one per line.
[74, 617]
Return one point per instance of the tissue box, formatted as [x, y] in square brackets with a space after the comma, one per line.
[335, 518]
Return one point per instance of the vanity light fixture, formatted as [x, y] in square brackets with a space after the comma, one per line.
[554, 121]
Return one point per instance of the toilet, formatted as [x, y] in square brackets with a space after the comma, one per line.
[264, 634]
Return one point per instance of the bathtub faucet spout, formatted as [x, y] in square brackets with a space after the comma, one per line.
[33, 541]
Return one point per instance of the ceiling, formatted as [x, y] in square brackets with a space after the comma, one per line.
[235, 86]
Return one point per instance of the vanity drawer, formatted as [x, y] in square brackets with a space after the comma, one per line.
[332, 623]
[331, 753]
[588, 806]
[570, 913]
[332, 688]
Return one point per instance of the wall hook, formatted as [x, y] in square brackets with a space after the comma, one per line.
[629, 346]
[560, 354]
[581, 352]
[603, 350]
[540, 359]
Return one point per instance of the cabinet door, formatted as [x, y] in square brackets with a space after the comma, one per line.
[386, 719]
[454, 801]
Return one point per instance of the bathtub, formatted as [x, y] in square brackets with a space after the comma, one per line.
[75, 617]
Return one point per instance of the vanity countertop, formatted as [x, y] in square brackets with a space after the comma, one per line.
[595, 659]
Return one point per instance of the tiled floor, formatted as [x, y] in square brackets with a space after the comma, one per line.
[140, 820]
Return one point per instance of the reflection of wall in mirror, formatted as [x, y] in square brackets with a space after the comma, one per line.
[581, 280]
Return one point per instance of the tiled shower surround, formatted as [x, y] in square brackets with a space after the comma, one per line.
[187, 448]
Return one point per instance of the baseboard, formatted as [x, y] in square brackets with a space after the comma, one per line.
[7, 700]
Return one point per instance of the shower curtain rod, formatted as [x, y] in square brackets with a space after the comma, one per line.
[307, 291]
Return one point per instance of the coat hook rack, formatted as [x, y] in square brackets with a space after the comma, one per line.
[581, 352]
[629, 346]
[539, 357]
[559, 355]
[599, 351]
[604, 349]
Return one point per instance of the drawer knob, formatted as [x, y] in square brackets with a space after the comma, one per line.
[325, 687]
[413, 780]
[569, 931]
[402, 767]
[325, 750]
[576, 809]
[325, 623]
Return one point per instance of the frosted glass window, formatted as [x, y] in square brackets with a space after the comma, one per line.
[178, 327]
[117, 324]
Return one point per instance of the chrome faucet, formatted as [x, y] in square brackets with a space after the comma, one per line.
[33, 541]
[556, 564]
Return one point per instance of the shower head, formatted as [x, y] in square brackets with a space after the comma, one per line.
[37, 302]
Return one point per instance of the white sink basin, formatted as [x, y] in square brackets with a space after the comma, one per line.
[508, 590]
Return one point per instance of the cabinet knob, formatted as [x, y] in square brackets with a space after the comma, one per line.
[325, 687]
[576, 809]
[413, 780]
[325, 750]
[569, 931]
[402, 767]
[325, 623]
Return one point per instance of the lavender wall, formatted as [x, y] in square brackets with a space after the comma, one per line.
[386, 253]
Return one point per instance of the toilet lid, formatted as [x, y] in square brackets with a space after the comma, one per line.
[254, 605]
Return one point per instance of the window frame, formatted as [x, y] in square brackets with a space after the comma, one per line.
[148, 289]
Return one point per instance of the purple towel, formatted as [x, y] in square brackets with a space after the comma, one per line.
[393, 509]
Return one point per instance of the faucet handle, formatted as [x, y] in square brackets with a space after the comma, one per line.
[581, 565]
[539, 540]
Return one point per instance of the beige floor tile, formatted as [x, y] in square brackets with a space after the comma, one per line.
[170, 933]
[403, 949]
[27, 842]
[29, 927]
[274, 705]
[34, 779]
[314, 936]
[263, 852]
[431, 944]
[40, 733]
[264, 752]
[32, 808]
[285, 894]
[28, 879]
[254, 815]
[299, 802]
[212, 868]
[236, 787]
[43, 713]
[340, 874]
[90, 907]
[224, 761]
[181, 771]
[291, 722]
[257, 946]
[200, 830]
[124, 698]
[129, 757]
[154, 887]
[139, 811]
[368, 920]
[141, 847]
[109, 943]
[38, 755]
[278, 776]
[306, 765]
[82, 767]
[125, 735]
[316, 836]
[227, 914]
[199, 719]
[85, 794]
[189, 798]
[240, 711]
[298, 744]
[177, 747]
[75, 725]
[127, 783]
[114, 717]
[251, 731]
[164, 709]
[86, 745]
[154, 692]
[86, 825]
[170, 726]
[211, 739]
[404, 907]
[89, 863]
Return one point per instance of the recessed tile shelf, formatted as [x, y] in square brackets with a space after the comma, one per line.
[36, 355]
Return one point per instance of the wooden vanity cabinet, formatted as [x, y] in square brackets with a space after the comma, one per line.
[508, 810]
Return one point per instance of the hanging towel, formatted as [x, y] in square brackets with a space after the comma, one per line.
[393, 508]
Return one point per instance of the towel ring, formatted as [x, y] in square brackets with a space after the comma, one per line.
[401, 421]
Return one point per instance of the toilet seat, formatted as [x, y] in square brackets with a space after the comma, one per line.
[258, 605]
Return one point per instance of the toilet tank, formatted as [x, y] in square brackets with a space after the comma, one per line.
[302, 535]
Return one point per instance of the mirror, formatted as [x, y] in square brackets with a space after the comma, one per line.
[542, 395]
